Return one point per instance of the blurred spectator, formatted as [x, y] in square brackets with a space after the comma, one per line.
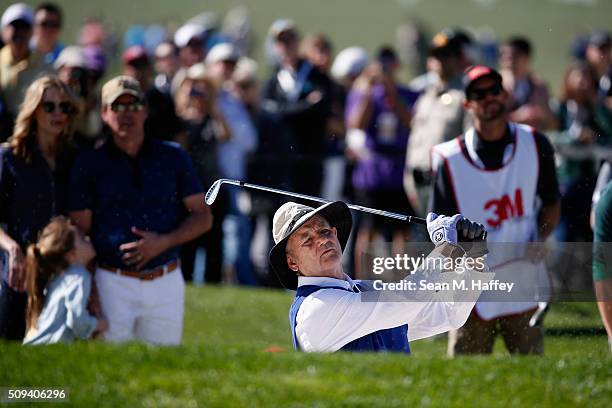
[467, 176]
[72, 70]
[347, 66]
[317, 49]
[140, 200]
[459, 39]
[383, 108]
[162, 121]
[602, 272]
[18, 65]
[95, 60]
[221, 63]
[438, 114]
[584, 121]
[267, 165]
[166, 65]
[59, 285]
[197, 106]
[48, 21]
[529, 97]
[598, 55]
[301, 95]
[189, 40]
[34, 172]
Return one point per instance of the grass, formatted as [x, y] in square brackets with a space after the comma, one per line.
[225, 361]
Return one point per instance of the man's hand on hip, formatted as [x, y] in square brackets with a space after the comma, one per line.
[137, 253]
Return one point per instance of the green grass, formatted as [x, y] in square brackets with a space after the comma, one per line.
[224, 362]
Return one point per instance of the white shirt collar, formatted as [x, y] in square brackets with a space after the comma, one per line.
[346, 283]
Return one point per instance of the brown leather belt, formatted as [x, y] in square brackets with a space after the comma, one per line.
[145, 275]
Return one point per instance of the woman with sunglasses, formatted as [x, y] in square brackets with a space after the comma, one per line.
[34, 173]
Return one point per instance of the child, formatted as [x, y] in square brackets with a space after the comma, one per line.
[58, 286]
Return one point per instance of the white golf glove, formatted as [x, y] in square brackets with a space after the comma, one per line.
[442, 228]
[459, 231]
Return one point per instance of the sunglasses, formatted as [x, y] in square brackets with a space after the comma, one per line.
[480, 94]
[129, 107]
[50, 24]
[64, 107]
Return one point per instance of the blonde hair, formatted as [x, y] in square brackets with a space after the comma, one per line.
[23, 138]
[45, 260]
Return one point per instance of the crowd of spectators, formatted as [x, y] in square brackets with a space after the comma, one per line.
[334, 124]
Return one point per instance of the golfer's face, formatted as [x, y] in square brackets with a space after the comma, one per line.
[314, 248]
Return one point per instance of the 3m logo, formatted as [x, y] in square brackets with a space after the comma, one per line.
[503, 208]
[438, 235]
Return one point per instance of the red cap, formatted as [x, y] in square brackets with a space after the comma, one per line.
[135, 52]
[476, 72]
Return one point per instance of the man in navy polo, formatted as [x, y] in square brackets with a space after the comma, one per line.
[139, 199]
[332, 312]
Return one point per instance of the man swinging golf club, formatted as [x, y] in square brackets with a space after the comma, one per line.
[329, 312]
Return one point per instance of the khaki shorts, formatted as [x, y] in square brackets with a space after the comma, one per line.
[477, 336]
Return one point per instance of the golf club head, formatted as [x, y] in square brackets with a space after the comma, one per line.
[212, 192]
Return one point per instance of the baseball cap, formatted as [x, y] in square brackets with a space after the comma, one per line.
[15, 12]
[600, 38]
[349, 62]
[291, 216]
[449, 42]
[134, 53]
[222, 52]
[121, 85]
[188, 32]
[280, 26]
[197, 72]
[71, 56]
[478, 72]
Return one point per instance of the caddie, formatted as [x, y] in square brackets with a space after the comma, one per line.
[329, 312]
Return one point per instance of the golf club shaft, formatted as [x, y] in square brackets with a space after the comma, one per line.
[401, 217]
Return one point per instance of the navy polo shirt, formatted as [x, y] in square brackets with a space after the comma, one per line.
[122, 192]
[31, 193]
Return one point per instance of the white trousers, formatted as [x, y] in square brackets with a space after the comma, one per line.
[151, 311]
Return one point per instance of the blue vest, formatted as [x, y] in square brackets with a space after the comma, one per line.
[394, 339]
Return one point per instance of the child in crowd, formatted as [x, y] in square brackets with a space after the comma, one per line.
[58, 286]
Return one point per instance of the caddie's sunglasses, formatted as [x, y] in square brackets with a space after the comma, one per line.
[64, 107]
[129, 107]
[480, 94]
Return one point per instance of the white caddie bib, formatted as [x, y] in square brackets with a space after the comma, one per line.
[504, 200]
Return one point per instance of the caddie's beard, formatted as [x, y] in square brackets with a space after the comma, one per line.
[493, 111]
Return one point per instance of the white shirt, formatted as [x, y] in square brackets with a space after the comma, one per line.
[329, 319]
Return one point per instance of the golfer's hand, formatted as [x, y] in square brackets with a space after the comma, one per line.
[16, 268]
[459, 231]
[136, 254]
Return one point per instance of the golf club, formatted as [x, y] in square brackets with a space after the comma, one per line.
[213, 191]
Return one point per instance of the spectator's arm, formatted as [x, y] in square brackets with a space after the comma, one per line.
[547, 188]
[198, 222]
[81, 194]
[361, 109]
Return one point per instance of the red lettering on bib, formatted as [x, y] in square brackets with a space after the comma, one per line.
[503, 208]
